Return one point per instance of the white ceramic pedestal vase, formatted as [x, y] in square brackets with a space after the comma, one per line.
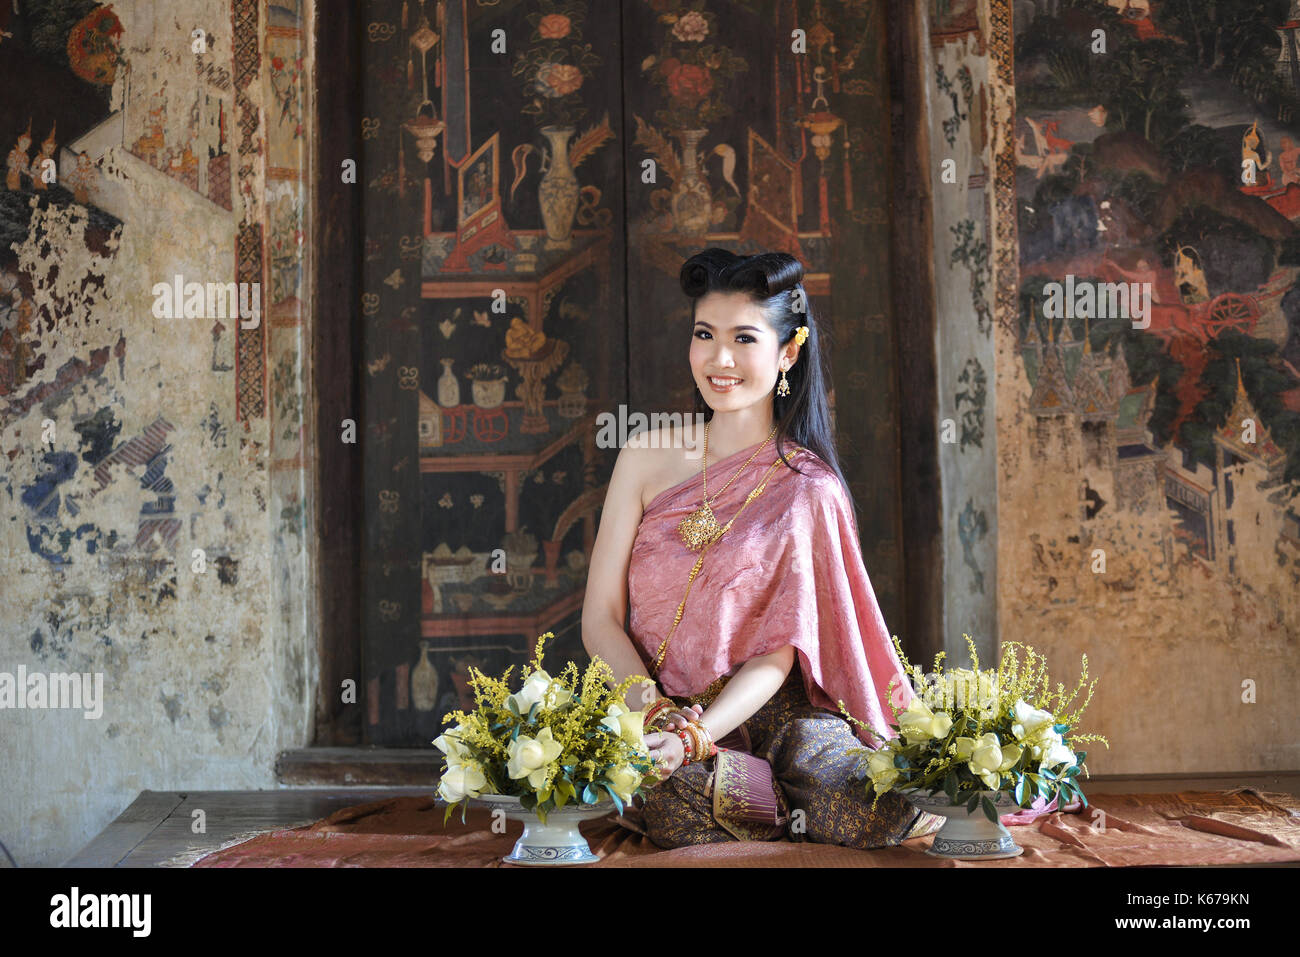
[968, 835]
[558, 841]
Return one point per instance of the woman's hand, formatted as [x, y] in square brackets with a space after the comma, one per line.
[679, 717]
[667, 751]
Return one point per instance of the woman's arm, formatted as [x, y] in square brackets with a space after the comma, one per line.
[604, 608]
[748, 690]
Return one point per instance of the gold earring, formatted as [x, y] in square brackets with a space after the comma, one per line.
[783, 388]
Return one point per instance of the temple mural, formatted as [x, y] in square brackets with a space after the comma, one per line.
[1154, 353]
[155, 457]
[529, 201]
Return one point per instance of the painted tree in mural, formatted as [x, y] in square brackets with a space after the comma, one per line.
[1134, 178]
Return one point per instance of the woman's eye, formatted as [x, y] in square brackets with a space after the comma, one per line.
[743, 337]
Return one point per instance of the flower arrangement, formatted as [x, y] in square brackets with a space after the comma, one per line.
[968, 731]
[692, 66]
[550, 743]
[557, 64]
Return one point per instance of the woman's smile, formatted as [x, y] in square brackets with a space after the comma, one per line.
[724, 383]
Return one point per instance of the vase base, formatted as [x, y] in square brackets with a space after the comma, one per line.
[545, 856]
[991, 850]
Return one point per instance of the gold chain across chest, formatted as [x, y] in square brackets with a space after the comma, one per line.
[699, 562]
[701, 527]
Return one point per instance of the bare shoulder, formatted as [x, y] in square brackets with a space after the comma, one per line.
[657, 459]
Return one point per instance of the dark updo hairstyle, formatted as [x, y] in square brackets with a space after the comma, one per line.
[773, 282]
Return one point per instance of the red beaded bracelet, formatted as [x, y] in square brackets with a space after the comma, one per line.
[686, 747]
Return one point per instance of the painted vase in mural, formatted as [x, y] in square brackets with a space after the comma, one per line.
[692, 203]
[557, 193]
[489, 385]
[573, 398]
[521, 552]
[448, 386]
[424, 682]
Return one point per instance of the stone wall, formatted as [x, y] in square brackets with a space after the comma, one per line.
[155, 481]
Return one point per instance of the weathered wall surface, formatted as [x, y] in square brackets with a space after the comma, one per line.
[1141, 519]
[960, 173]
[154, 481]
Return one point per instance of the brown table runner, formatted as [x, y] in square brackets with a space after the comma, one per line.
[1239, 826]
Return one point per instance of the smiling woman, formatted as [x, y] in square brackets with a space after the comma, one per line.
[779, 624]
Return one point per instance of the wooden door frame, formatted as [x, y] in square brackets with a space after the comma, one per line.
[337, 353]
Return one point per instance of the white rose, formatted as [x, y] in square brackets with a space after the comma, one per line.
[1058, 753]
[450, 745]
[530, 757]
[1030, 719]
[919, 724]
[628, 725]
[534, 690]
[987, 759]
[461, 781]
[623, 781]
[883, 774]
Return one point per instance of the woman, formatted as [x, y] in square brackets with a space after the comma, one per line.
[755, 615]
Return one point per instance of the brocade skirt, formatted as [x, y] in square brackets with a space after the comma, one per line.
[812, 793]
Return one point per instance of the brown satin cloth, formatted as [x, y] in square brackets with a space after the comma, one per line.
[1190, 828]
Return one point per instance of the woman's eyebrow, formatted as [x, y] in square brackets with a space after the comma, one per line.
[701, 322]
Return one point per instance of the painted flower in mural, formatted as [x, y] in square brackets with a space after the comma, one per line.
[557, 79]
[688, 83]
[94, 46]
[691, 28]
[285, 85]
[554, 26]
[691, 71]
[557, 64]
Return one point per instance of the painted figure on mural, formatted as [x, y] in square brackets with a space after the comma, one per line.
[747, 602]
[81, 180]
[18, 164]
[1250, 154]
[43, 171]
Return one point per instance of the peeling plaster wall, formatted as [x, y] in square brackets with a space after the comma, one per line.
[1170, 636]
[208, 669]
[959, 172]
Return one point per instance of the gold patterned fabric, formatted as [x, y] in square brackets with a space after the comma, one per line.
[819, 797]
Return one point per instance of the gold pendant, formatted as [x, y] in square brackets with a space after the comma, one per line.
[699, 528]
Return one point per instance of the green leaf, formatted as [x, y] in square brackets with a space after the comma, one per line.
[1081, 756]
[1021, 785]
[532, 712]
[950, 786]
[561, 798]
[590, 795]
[514, 708]
[617, 803]
[1048, 773]
[971, 804]
[990, 810]
[901, 762]
[1072, 771]
[1060, 728]
[447, 816]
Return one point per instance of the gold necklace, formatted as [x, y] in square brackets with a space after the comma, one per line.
[755, 493]
[701, 527]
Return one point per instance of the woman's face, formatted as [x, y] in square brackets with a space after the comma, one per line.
[732, 341]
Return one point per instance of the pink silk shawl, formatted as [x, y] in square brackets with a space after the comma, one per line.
[789, 572]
